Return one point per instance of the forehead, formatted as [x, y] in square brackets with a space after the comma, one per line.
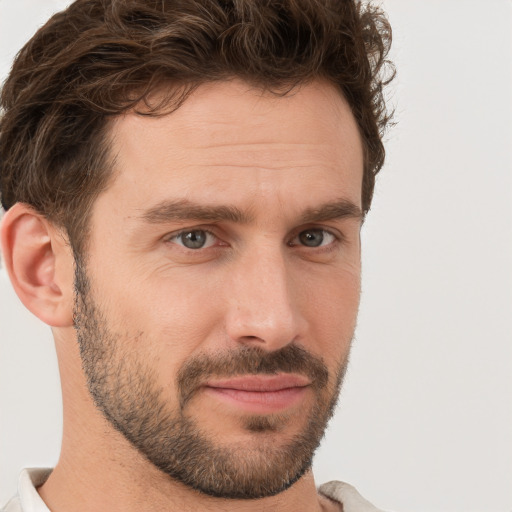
[229, 139]
[234, 109]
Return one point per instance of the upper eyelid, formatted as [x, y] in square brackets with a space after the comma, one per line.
[175, 234]
[171, 237]
[339, 238]
[337, 234]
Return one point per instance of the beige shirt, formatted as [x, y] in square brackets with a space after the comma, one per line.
[28, 499]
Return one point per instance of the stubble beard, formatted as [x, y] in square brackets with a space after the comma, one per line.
[124, 390]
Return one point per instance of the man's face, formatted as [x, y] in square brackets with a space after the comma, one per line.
[219, 293]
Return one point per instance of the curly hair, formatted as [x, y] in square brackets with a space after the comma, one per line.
[99, 58]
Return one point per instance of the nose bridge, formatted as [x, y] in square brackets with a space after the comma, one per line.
[263, 309]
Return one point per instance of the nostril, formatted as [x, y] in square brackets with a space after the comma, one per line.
[251, 338]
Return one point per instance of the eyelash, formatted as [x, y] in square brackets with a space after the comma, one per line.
[336, 238]
[176, 236]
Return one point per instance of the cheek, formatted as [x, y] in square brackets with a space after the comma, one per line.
[168, 318]
[331, 310]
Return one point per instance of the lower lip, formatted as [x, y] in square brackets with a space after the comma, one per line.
[259, 402]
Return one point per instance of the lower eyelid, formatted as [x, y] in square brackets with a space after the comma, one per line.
[334, 238]
[176, 236]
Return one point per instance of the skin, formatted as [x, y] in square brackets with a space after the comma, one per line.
[276, 160]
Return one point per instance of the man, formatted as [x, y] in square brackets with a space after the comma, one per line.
[184, 186]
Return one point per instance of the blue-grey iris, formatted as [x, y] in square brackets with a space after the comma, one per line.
[193, 239]
[311, 237]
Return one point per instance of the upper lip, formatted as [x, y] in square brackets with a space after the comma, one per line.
[262, 383]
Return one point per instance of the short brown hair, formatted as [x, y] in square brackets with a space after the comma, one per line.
[98, 58]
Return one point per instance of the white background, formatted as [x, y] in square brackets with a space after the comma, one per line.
[425, 420]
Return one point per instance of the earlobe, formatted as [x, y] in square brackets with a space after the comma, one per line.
[39, 263]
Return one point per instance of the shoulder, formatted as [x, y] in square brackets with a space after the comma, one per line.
[348, 496]
[28, 499]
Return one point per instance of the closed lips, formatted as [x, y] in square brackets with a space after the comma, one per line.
[261, 383]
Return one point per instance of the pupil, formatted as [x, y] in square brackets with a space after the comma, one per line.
[311, 238]
[194, 239]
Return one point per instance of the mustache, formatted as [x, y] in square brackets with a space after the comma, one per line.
[251, 361]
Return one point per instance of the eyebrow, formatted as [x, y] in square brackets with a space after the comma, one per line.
[172, 211]
[340, 209]
[181, 210]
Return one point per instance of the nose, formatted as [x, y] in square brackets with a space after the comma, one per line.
[263, 304]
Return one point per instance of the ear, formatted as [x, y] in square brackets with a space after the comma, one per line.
[40, 264]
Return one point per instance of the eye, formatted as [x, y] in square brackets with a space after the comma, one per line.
[194, 239]
[314, 238]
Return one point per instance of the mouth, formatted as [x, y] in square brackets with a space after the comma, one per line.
[260, 394]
